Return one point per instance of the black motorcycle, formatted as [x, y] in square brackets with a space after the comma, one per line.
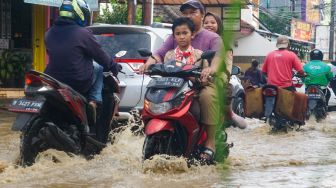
[317, 104]
[53, 115]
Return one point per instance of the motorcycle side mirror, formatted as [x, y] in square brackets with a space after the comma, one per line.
[208, 54]
[120, 53]
[144, 52]
[235, 70]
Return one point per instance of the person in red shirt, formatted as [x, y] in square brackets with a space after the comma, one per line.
[278, 65]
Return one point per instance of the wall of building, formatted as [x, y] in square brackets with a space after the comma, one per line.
[253, 45]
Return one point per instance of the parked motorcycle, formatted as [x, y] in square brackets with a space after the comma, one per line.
[317, 104]
[171, 113]
[53, 115]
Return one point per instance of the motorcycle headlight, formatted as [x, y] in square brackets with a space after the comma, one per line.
[164, 107]
[160, 108]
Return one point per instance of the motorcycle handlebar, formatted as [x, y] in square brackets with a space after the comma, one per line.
[192, 73]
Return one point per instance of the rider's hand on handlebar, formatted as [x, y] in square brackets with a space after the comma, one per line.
[115, 68]
[302, 74]
[145, 66]
[206, 73]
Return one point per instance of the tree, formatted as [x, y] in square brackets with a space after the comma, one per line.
[279, 22]
[118, 14]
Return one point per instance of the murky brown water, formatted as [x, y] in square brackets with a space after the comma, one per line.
[259, 159]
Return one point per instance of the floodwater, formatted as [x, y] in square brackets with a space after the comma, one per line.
[304, 158]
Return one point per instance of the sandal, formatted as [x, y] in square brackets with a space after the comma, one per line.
[206, 156]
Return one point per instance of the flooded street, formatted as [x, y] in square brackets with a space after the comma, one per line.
[304, 158]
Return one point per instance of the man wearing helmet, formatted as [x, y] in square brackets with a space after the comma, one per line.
[278, 65]
[318, 73]
[72, 48]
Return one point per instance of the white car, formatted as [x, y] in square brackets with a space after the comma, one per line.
[238, 94]
[130, 38]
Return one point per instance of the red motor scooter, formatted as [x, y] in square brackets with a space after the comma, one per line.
[171, 113]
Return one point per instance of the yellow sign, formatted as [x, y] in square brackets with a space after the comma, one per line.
[301, 30]
[313, 11]
[256, 8]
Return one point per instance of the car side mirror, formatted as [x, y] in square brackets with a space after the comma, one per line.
[235, 70]
[208, 54]
[144, 52]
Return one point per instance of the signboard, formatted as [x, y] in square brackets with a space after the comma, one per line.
[322, 40]
[311, 11]
[256, 8]
[57, 3]
[301, 30]
[231, 18]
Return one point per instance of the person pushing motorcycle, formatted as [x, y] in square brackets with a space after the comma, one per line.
[318, 73]
[72, 48]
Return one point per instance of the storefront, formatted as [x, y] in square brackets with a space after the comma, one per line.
[23, 24]
[15, 41]
[44, 13]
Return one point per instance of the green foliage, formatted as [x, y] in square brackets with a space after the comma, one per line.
[13, 66]
[138, 18]
[158, 19]
[222, 150]
[279, 22]
[118, 15]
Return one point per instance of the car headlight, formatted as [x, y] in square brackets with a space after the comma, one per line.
[160, 108]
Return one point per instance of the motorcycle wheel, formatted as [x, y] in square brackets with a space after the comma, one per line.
[320, 113]
[158, 144]
[32, 141]
[238, 107]
[278, 124]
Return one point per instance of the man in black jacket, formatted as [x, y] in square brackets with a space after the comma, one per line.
[72, 48]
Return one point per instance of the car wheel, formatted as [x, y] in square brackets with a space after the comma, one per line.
[238, 106]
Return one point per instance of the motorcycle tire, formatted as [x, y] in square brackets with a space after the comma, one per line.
[158, 144]
[28, 149]
[32, 141]
[238, 106]
[320, 113]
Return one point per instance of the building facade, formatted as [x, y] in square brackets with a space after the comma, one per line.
[23, 24]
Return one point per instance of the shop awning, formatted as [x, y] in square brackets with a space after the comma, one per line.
[57, 3]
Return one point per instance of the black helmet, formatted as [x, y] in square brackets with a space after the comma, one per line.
[316, 55]
[78, 10]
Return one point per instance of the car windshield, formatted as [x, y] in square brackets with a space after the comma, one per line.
[113, 43]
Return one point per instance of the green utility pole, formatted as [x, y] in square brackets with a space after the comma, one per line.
[332, 30]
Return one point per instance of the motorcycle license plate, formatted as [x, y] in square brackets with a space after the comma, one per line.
[26, 105]
[166, 82]
[314, 96]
